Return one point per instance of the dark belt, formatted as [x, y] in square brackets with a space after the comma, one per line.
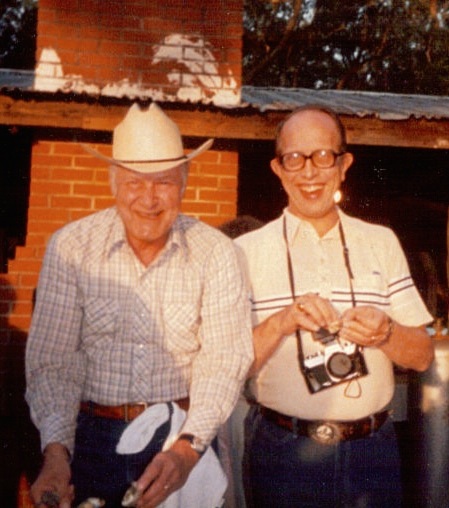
[126, 412]
[327, 432]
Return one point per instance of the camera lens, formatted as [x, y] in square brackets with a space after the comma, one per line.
[340, 365]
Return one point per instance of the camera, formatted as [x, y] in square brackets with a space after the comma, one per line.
[334, 364]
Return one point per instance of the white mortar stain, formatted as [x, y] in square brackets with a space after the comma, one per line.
[191, 69]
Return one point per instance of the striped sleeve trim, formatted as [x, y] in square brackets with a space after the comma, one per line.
[368, 297]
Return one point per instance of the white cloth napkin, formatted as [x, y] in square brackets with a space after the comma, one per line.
[207, 482]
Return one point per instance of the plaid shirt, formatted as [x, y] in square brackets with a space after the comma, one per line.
[107, 329]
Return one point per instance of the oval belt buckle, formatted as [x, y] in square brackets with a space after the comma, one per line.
[327, 433]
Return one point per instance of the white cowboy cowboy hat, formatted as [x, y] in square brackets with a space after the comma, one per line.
[147, 141]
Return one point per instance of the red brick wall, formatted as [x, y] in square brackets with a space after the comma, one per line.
[115, 41]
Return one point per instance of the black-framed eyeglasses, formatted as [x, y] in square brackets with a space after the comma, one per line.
[322, 159]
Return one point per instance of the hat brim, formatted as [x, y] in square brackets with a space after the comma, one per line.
[150, 166]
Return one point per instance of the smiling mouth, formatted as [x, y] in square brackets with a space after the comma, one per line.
[311, 190]
[150, 215]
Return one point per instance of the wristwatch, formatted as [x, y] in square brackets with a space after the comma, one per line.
[195, 442]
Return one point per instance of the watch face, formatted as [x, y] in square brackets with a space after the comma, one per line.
[196, 443]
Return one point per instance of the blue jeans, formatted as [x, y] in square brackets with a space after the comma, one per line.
[97, 470]
[283, 470]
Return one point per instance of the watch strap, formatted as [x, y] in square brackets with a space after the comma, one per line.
[195, 442]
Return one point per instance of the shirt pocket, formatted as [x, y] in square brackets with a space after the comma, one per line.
[181, 324]
[100, 320]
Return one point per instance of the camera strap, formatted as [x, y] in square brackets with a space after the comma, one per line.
[291, 278]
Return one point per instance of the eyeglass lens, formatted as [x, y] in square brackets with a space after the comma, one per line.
[295, 161]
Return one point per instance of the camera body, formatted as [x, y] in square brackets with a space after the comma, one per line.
[334, 364]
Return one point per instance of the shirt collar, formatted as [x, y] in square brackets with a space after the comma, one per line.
[177, 238]
[297, 228]
[117, 237]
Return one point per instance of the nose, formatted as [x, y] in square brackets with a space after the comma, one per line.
[149, 194]
[309, 170]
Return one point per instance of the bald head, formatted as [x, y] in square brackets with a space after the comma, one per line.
[302, 111]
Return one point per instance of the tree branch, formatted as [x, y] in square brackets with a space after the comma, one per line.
[291, 25]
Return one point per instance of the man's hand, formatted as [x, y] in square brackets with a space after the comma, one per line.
[366, 326]
[308, 312]
[52, 487]
[409, 347]
[313, 312]
[166, 473]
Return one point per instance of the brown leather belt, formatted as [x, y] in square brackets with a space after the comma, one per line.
[327, 432]
[126, 412]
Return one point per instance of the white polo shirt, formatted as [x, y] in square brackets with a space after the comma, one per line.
[381, 279]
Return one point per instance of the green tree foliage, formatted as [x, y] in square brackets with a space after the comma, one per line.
[374, 45]
[18, 20]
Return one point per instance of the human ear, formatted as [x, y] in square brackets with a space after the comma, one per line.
[346, 163]
[276, 167]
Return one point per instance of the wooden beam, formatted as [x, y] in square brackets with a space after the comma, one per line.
[203, 121]
[411, 133]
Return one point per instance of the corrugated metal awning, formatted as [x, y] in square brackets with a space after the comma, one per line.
[386, 106]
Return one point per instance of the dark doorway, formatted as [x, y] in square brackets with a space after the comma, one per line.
[260, 193]
[15, 146]
[403, 188]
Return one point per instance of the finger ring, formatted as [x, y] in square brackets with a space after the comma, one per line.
[300, 307]
[335, 326]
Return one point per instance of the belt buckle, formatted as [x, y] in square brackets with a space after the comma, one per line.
[127, 407]
[327, 433]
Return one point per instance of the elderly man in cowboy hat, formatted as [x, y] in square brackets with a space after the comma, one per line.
[136, 305]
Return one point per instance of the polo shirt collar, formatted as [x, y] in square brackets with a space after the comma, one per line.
[297, 228]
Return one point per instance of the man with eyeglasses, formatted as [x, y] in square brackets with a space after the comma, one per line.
[334, 307]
